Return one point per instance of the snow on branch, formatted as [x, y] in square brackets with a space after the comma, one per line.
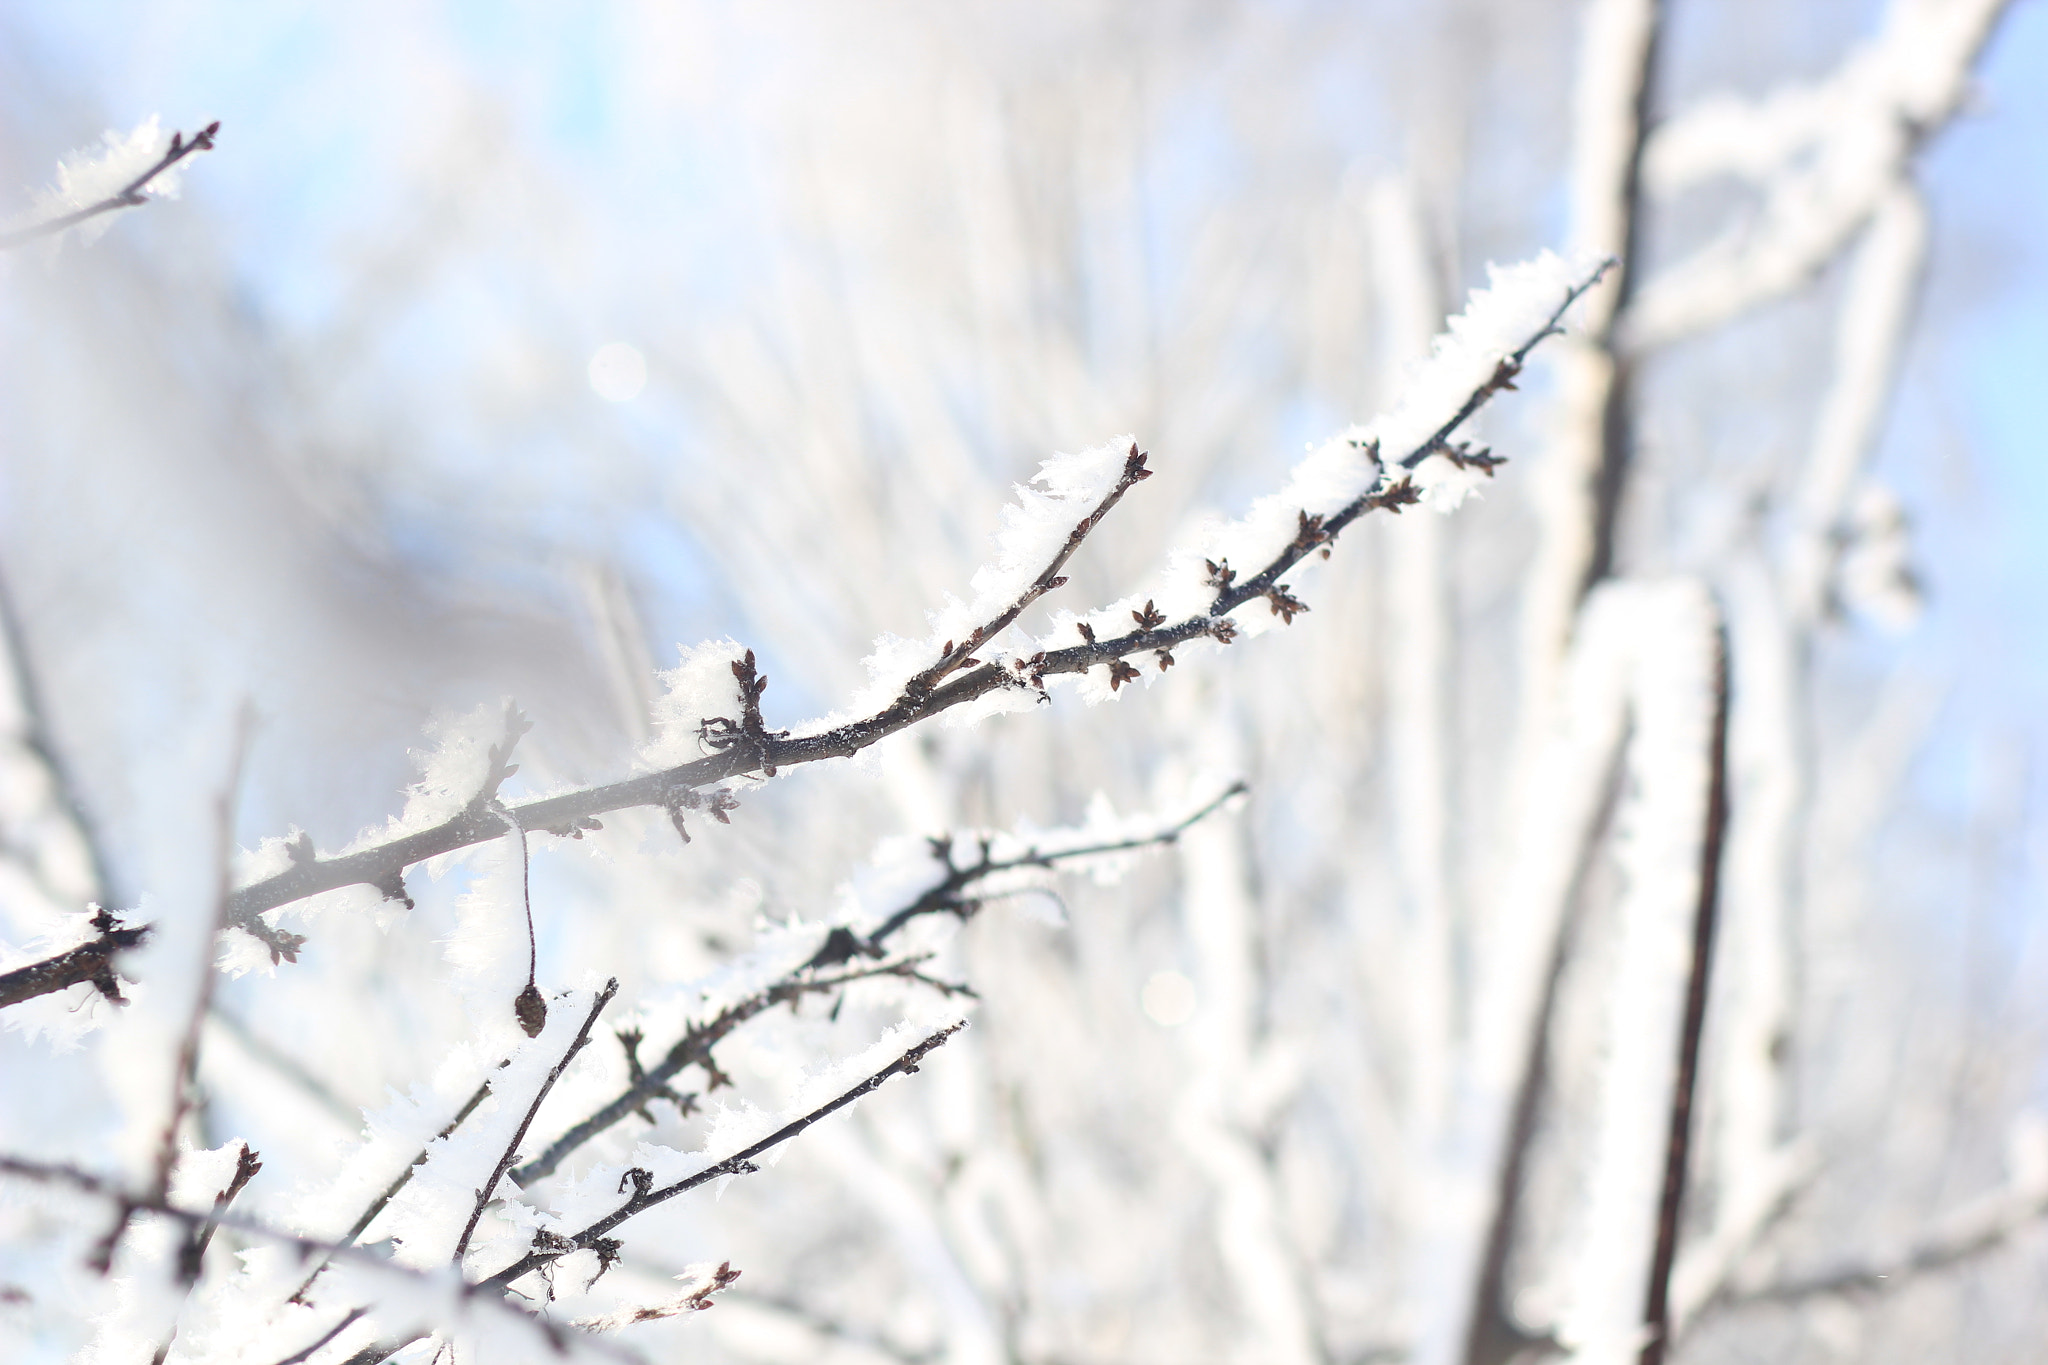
[1823, 156]
[409, 1297]
[903, 884]
[1664, 642]
[91, 961]
[127, 172]
[1981, 1227]
[549, 1247]
[1196, 600]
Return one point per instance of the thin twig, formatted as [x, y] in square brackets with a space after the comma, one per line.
[36, 738]
[946, 895]
[112, 1192]
[950, 896]
[511, 1152]
[130, 195]
[377, 1205]
[953, 656]
[1937, 1253]
[305, 1353]
[694, 1049]
[645, 1197]
[529, 1007]
[192, 1254]
[193, 1257]
[384, 864]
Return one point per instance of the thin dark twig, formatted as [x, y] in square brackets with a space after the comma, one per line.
[384, 864]
[946, 895]
[377, 1205]
[695, 1047]
[953, 656]
[128, 196]
[511, 1152]
[950, 896]
[305, 1353]
[645, 1197]
[193, 1258]
[1936, 1254]
[530, 1008]
[99, 1187]
[192, 1254]
[1678, 1140]
[36, 738]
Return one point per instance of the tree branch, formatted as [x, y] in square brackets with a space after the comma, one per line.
[130, 195]
[511, 1153]
[98, 1187]
[694, 1049]
[1678, 1149]
[953, 656]
[384, 864]
[90, 961]
[1966, 1240]
[645, 1197]
[404, 1177]
[841, 945]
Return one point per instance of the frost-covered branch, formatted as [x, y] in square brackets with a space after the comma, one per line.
[695, 1049]
[129, 195]
[959, 892]
[1578, 487]
[442, 1297]
[645, 1195]
[1824, 155]
[1657, 1311]
[954, 656]
[1482, 355]
[511, 1153]
[91, 961]
[401, 1180]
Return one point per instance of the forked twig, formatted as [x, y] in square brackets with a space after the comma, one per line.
[645, 1196]
[382, 864]
[953, 656]
[952, 895]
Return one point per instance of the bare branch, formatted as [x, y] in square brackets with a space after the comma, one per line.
[109, 1191]
[90, 961]
[384, 864]
[193, 1256]
[645, 1196]
[694, 1049]
[511, 1153]
[1993, 1227]
[185, 1065]
[952, 895]
[696, 1301]
[133, 193]
[1048, 579]
[948, 895]
[404, 1177]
